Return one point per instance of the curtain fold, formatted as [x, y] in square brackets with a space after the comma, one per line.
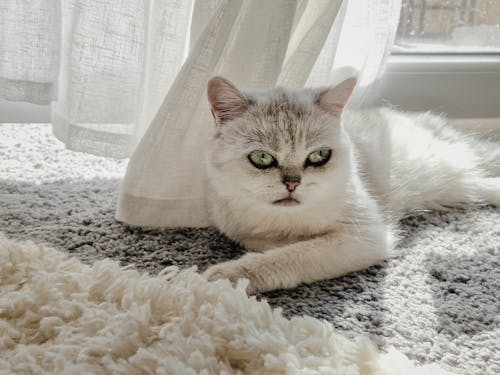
[29, 50]
[308, 39]
[364, 38]
[118, 60]
[128, 78]
[103, 60]
[165, 177]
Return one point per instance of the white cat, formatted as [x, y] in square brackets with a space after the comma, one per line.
[316, 192]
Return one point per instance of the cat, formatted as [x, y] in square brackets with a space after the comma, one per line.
[316, 191]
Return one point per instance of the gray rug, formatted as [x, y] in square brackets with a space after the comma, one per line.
[438, 300]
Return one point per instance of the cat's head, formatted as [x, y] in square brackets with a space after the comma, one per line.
[279, 149]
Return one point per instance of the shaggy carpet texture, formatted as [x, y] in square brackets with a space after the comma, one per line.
[59, 316]
[436, 300]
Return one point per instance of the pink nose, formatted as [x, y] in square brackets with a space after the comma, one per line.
[291, 185]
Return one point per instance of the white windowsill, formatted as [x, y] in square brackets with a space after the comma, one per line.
[462, 86]
[18, 112]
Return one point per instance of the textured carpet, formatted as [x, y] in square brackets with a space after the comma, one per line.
[436, 301]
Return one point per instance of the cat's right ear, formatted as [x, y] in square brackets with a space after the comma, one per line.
[334, 99]
[226, 101]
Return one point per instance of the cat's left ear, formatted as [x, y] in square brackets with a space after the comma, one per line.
[335, 98]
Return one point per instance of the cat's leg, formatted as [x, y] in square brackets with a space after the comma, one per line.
[444, 187]
[488, 153]
[263, 244]
[473, 189]
[316, 259]
[469, 189]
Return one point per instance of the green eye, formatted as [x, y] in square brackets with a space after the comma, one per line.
[318, 158]
[261, 160]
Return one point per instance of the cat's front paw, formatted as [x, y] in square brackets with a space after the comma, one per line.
[231, 271]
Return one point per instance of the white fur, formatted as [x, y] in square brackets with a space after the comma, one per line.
[385, 164]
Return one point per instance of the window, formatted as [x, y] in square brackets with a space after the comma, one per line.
[452, 26]
[446, 58]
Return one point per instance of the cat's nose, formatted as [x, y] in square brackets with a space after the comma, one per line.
[291, 185]
[290, 176]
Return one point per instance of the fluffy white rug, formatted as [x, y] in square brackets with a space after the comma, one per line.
[60, 316]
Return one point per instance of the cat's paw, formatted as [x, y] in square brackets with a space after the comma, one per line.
[231, 271]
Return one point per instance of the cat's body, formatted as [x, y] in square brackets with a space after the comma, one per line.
[415, 161]
[307, 221]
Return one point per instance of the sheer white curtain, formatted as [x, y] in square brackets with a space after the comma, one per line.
[130, 76]
[256, 45]
[29, 50]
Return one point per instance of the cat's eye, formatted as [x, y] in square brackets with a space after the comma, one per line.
[262, 160]
[319, 157]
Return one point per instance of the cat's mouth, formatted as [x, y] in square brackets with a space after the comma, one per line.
[288, 201]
